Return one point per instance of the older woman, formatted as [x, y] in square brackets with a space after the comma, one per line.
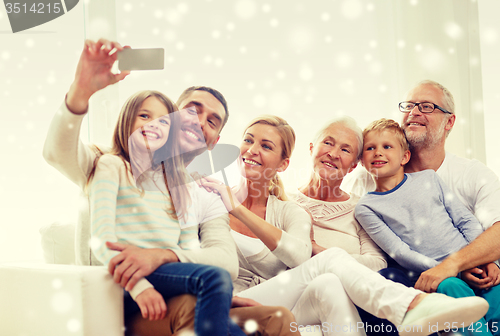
[335, 151]
[273, 234]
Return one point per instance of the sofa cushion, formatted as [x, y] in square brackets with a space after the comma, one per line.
[58, 243]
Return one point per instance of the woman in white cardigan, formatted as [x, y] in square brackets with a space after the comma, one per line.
[272, 234]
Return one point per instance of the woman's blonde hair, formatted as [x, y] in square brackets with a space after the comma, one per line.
[287, 135]
[166, 159]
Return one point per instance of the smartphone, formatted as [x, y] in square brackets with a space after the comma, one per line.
[141, 59]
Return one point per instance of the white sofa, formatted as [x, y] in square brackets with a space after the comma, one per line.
[59, 298]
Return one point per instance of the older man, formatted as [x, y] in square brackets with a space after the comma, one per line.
[65, 152]
[476, 185]
[428, 117]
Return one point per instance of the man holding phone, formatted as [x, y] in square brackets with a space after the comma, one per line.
[68, 154]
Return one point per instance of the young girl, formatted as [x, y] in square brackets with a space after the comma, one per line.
[131, 203]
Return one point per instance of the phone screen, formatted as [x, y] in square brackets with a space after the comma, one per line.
[141, 59]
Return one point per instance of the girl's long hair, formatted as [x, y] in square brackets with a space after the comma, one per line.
[166, 159]
[287, 135]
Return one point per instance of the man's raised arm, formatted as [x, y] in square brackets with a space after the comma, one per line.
[63, 148]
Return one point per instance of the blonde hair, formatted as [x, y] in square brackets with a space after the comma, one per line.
[167, 158]
[388, 125]
[287, 135]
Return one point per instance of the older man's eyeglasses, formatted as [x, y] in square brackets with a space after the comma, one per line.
[407, 107]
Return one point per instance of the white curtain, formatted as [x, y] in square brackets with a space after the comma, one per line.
[310, 61]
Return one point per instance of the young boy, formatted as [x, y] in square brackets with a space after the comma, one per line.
[415, 218]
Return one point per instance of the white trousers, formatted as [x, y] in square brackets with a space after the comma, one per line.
[324, 289]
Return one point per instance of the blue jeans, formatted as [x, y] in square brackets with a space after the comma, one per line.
[212, 287]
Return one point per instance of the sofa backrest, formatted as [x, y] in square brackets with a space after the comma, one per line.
[58, 243]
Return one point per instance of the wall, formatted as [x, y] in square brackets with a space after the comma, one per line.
[36, 69]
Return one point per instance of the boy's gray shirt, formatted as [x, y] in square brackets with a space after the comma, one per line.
[418, 223]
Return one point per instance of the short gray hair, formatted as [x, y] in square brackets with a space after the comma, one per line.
[351, 124]
[448, 101]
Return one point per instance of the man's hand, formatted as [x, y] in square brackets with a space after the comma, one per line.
[134, 263]
[152, 304]
[93, 73]
[430, 279]
[243, 302]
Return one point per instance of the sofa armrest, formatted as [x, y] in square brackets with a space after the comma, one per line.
[59, 300]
